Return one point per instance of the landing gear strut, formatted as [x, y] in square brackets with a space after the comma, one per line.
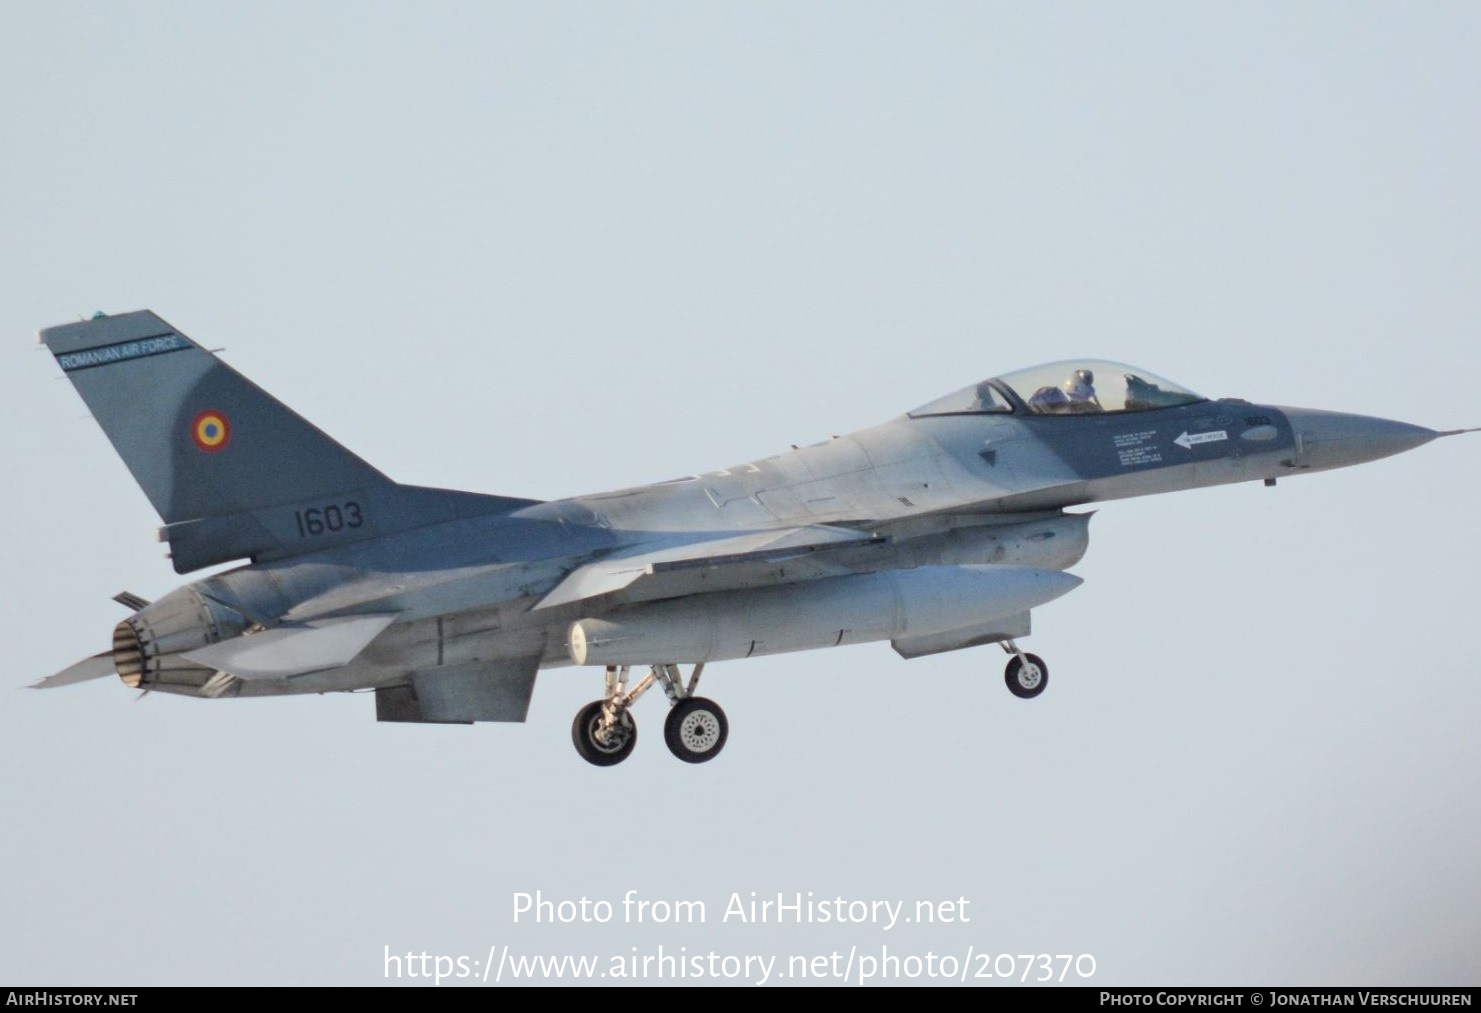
[1026, 674]
[695, 731]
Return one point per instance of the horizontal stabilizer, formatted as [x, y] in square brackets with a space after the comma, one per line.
[293, 649]
[96, 667]
[613, 573]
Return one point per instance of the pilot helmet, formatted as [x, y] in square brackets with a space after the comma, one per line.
[1080, 384]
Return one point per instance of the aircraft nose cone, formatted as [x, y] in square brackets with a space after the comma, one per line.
[1336, 439]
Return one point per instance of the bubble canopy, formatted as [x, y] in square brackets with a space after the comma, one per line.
[1071, 387]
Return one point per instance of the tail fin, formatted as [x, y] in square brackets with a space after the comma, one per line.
[232, 471]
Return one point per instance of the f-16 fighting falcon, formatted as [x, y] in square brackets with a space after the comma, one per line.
[936, 531]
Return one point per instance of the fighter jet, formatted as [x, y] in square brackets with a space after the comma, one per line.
[936, 531]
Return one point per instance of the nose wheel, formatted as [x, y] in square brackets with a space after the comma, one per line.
[1026, 674]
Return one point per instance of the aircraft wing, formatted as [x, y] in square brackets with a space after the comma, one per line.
[750, 553]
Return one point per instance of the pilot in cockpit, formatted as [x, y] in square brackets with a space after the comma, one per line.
[1073, 397]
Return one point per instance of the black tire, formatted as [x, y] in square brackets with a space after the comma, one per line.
[1026, 681]
[696, 729]
[583, 734]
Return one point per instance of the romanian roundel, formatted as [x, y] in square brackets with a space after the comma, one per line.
[210, 431]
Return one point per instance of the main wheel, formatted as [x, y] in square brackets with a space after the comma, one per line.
[1026, 676]
[621, 740]
[695, 729]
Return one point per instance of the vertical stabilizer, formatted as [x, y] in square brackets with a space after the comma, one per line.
[201, 439]
[210, 449]
[233, 471]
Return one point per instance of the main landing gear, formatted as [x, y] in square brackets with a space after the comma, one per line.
[1026, 674]
[605, 733]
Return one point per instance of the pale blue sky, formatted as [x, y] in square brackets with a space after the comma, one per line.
[544, 249]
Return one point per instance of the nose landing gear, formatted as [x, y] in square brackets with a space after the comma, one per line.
[1026, 674]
